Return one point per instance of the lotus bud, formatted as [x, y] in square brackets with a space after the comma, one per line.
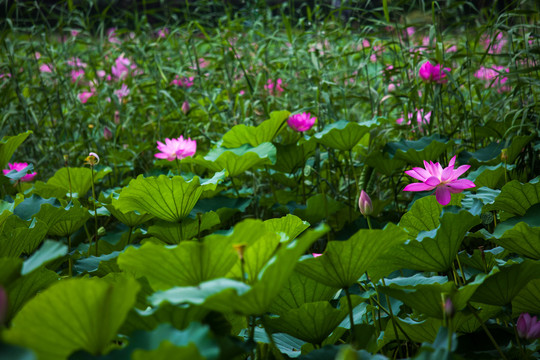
[107, 133]
[185, 107]
[364, 204]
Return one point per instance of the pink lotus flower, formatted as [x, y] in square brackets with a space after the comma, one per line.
[176, 148]
[495, 45]
[528, 327]
[301, 122]
[432, 73]
[19, 167]
[445, 181]
[364, 203]
[271, 86]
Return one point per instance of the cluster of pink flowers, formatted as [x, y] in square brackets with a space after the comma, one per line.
[185, 82]
[493, 77]
[19, 167]
[301, 122]
[421, 118]
[176, 148]
[432, 73]
[274, 88]
[444, 181]
[494, 45]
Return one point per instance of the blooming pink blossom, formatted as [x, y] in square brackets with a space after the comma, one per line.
[445, 181]
[176, 148]
[120, 69]
[37, 54]
[19, 167]
[162, 33]
[74, 33]
[45, 68]
[301, 122]
[183, 82]
[364, 203]
[432, 73]
[85, 95]
[528, 327]
[111, 36]
[76, 75]
[122, 92]
[271, 86]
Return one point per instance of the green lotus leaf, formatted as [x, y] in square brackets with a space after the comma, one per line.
[489, 176]
[505, 282]
[314, 321]
[63, 221]
[236, 161]
[72, 315]
[8, 145]
[384, 164]
[433, 250]
[261, 243]
[426, 295]
[187, 264]
[290, 225]
[291, 157]
[168, 351]
[516, 198]
[318, 207]
[180, 317]
[344, 135]
[74, 180]
[344, 262]
[415, 152]
[300, 290]
[231, 296]
[527, 299]
[26, 287]
[49, 251]
[195, 342]
[10, 269]
[418, 331]
[130, 218]
[27, 208]
[491, 154]
[170, 199]
[21, 237]
[483, 260]
[520, 234]
[255, 136]
[174, 233]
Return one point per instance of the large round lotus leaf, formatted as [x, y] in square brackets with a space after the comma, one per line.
[71, 315]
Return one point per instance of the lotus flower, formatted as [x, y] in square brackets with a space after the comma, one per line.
[19, 167]
[528, 327]
[274, 88]
[301, 122]
[432, 73]
[176, 148]
[444, 181]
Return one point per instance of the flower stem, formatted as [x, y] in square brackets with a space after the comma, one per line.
[95, 211]
[486, 330]
[351, 316]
